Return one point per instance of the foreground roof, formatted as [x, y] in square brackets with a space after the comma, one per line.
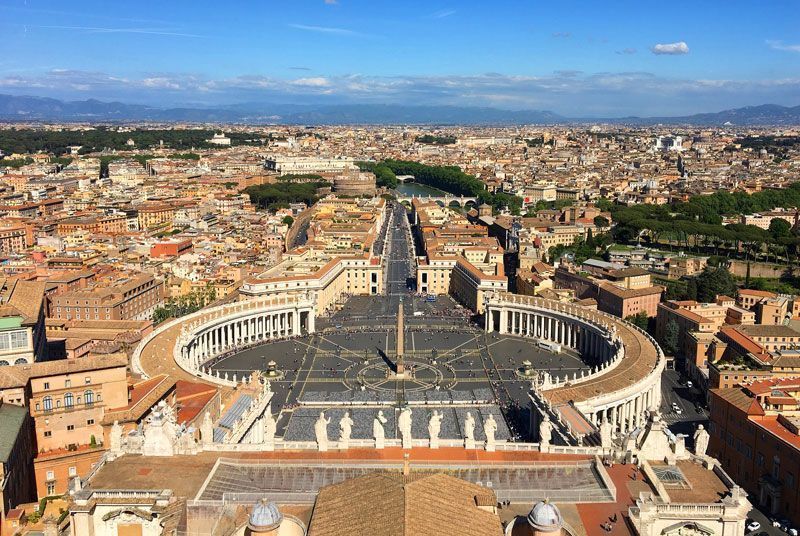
[393, 504]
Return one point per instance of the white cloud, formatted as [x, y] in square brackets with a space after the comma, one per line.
[95, 29]
[160, 82]
[672, 49]
[322, 29]
[571, 93]
[780, 45]
[317, 81]
[441, 14]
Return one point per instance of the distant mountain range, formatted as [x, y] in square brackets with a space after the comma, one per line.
[21, 108]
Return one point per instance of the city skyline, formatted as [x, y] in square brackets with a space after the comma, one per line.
[585, 61]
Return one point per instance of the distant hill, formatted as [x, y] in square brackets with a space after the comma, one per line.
[17, 108]
[765, 114]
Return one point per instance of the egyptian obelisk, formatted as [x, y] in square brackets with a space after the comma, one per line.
[401, 369]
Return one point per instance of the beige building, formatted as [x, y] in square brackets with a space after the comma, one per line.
[67, 402]
[131, 297]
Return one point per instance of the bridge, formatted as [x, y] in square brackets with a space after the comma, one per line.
[444, 200]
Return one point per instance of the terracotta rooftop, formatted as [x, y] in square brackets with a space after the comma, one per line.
[414, 504]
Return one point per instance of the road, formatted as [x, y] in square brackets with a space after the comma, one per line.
[674, 390]
[399, 260]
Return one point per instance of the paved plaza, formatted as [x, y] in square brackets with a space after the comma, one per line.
[351, 362]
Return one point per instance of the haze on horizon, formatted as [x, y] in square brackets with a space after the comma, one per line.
[577, 59]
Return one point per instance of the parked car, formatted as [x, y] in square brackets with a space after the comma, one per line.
[753, 526]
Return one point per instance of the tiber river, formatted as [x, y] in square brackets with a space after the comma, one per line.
[412, 188]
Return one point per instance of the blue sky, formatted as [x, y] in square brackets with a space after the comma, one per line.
[575, 58]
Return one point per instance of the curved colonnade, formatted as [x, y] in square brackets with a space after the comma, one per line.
[625, 381]
[210, 333]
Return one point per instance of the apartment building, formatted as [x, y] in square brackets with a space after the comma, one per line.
[67, 400]
[460, 258]
[755, 433]
[618, 291]
[129, 297]
[747, 353]
[105, 224]
[13, 238]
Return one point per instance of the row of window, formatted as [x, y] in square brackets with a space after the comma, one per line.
[69, 401]
[70, 428]
[68, 382]
[13, 340]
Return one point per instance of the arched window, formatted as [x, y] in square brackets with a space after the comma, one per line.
[48, 403]
[69, 401]
[3, 363]
[88, 397]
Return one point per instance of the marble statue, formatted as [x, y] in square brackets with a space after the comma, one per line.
[115, 441]
[345, 430]
[207, 429]
[700, 440]
[545, 433]
[489, 428]
[160, 431]
[270, 427]
[605, 433]
[377, 430]
[404, 424]
[321, 431]
[469, 431]
[434, 427]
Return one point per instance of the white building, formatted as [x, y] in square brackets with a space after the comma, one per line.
[669, 143]
[286, 165]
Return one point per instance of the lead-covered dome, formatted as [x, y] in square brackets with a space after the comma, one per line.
[265, 517]
[545, 517]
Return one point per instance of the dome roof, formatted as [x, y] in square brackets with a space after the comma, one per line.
[545, 517]
[265, 516]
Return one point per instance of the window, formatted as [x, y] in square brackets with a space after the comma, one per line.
[69, 400]
[73, 471]
[48, 433]
[89, 422]
[88, 397]
[70, 427]
[67, 383]
[51, 475]
[47, 385]
[48, 403]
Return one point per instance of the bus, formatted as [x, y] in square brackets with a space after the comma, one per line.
[550, 346]
[430, 297]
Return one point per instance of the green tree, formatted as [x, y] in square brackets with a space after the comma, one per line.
[779, 228]
[671, 332]
[288, 220]
[640, 320]
[713, 282]
[604, 204]
[601, 222]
